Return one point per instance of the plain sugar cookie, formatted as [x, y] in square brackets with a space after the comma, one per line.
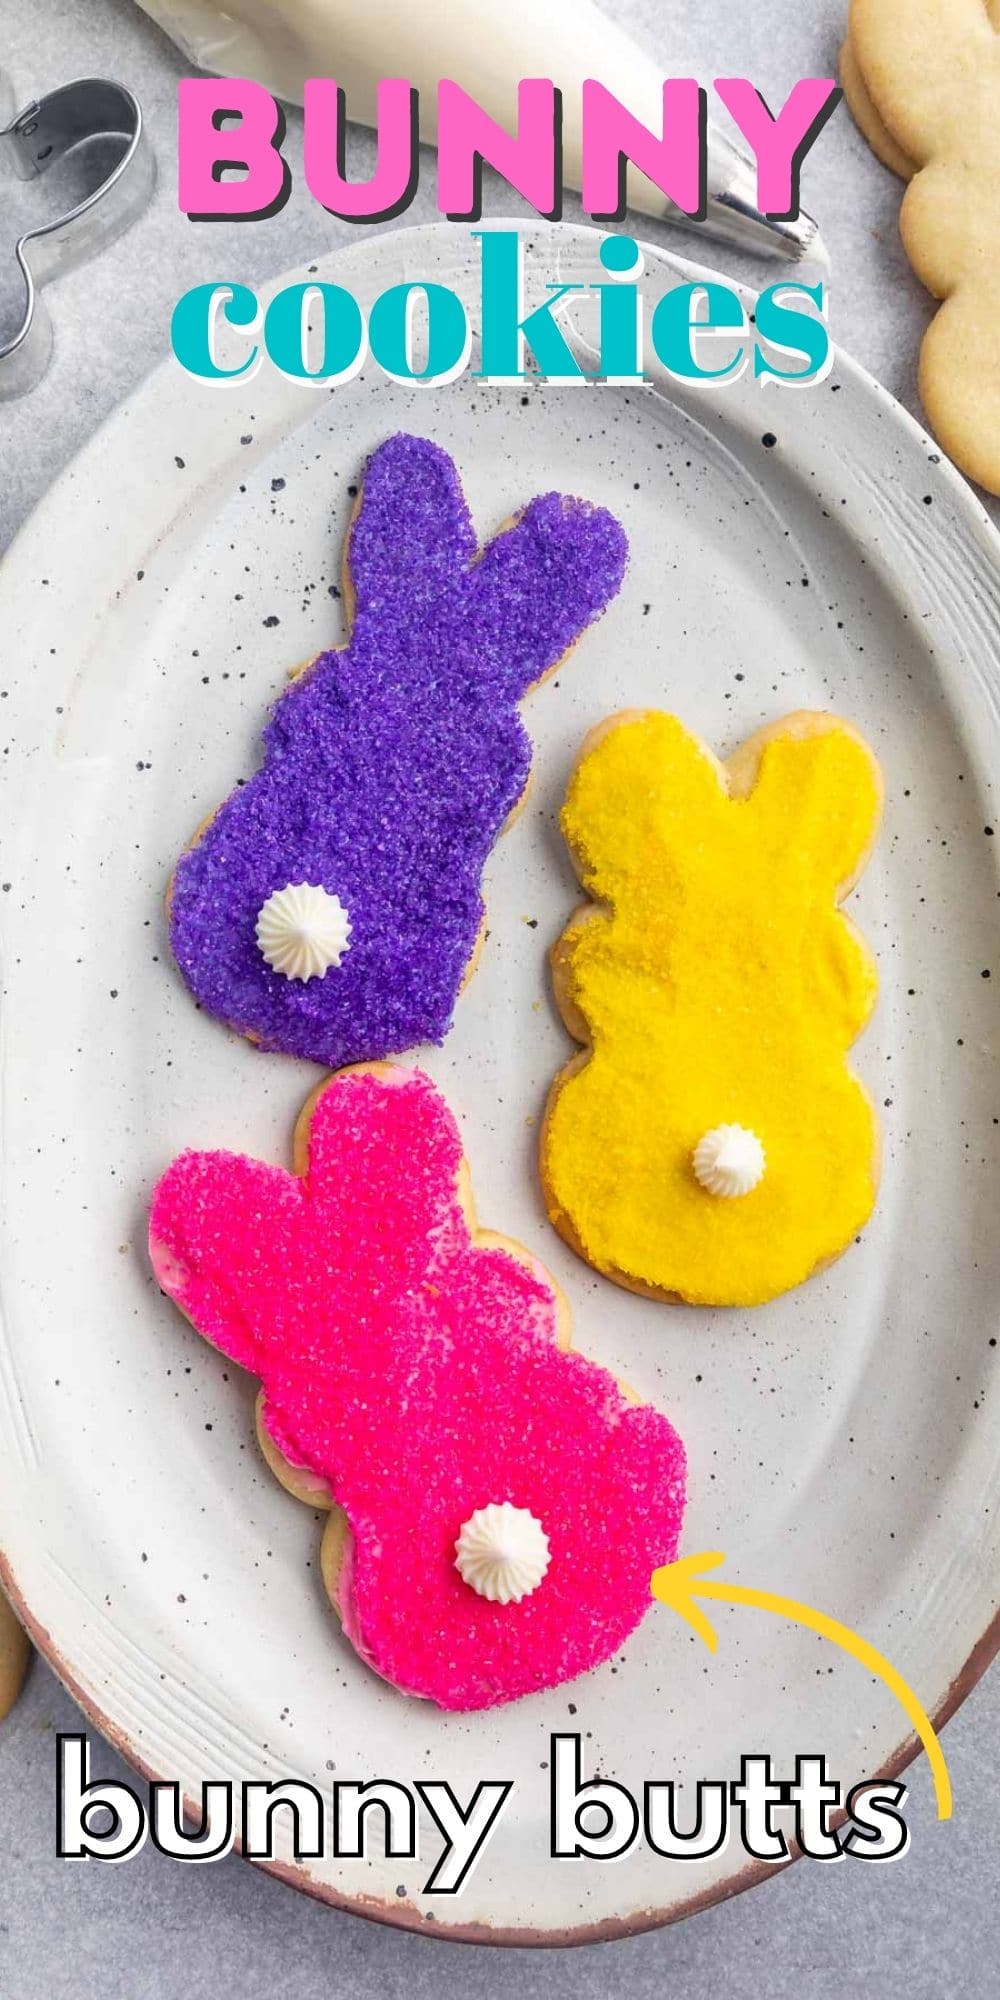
[711, 1143]
[932, 68]
[499, 1502]
[15, 1652]
[866, 117]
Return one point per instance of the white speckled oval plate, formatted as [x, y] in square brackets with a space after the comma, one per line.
[844, 1446]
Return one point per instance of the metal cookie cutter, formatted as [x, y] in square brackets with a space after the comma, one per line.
[41, 135]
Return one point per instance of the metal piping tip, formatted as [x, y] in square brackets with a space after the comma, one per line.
[815, 250]
[797, 240]
[734, 217]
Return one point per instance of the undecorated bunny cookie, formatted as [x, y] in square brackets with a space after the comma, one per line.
[499, 1503]
[15, 1652]
[711, 1143]
[866, 116]
[932, 69]
[331, 908]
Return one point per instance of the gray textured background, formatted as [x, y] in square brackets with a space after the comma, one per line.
[927, 1927]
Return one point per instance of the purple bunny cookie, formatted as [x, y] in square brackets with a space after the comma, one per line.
[331, 908]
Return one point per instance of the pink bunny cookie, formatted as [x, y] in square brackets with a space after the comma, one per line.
[499, 1503]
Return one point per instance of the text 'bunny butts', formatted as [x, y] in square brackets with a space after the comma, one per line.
[391, 765]
[421, 1369]
[718, 988]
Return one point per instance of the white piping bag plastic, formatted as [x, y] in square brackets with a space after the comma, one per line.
[486, 48]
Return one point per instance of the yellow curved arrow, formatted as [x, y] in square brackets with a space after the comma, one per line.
[678, 1584]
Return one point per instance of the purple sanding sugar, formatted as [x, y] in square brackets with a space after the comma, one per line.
[390, 768]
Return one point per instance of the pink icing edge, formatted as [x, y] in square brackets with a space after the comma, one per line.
[344, 1602]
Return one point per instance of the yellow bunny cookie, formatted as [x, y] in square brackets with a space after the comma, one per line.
[932, 68]
[711, 1143]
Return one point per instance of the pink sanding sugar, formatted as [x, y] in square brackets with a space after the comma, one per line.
[417, 1371]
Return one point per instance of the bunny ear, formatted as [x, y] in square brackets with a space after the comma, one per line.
[541, 582]
[816, 797]
[640, 786]
[220, 1226]
[412, 537]
[382, 1162]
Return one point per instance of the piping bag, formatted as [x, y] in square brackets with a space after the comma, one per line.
[486, 48]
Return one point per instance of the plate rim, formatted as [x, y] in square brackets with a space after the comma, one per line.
[405, 1913]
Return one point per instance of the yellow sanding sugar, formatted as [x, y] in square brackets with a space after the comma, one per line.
[716, 982]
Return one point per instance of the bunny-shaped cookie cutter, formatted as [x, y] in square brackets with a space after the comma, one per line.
[36, 139]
